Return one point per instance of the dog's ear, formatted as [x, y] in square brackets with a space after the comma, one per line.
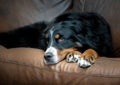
[78, 44]
[80, 40]
[79, 37]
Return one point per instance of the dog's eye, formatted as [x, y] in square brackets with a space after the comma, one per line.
[61, 39]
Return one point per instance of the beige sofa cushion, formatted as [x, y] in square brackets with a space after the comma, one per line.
[25, 66]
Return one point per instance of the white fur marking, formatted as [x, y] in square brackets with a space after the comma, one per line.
[52, 50]
[83, 63]
[73, 59]
[51, 33]
[70, 59]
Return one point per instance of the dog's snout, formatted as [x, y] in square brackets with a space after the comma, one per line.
[48, 55]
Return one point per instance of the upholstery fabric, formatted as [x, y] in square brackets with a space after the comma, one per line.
[15, 14]
[25, 66]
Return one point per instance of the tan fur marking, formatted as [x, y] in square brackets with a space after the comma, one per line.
[64, 52]
[90, 55]
[73, 53]
[57, 36]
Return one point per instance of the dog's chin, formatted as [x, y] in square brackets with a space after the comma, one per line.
[53, 60]
[50, 62]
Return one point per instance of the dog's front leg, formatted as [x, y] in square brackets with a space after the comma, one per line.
[73, 56]
[87, 58]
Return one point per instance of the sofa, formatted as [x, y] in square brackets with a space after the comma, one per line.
[25, 66]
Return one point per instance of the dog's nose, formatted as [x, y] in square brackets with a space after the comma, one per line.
[48, 55]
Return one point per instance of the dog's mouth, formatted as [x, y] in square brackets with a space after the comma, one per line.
[52, 60]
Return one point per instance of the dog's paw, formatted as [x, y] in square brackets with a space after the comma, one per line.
[87, 58]
[73, 57]
[84, 62]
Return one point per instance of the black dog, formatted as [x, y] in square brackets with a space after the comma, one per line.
[80, 37]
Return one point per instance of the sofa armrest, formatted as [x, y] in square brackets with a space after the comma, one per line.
[25, 66]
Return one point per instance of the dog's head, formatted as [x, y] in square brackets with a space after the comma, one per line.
[63, 37]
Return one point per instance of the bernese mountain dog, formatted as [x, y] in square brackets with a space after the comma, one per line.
[78, 37]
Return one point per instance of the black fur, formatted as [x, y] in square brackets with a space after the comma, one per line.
[89, 29]
[28, 36]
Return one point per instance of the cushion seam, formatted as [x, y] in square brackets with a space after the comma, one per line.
[80, 74]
